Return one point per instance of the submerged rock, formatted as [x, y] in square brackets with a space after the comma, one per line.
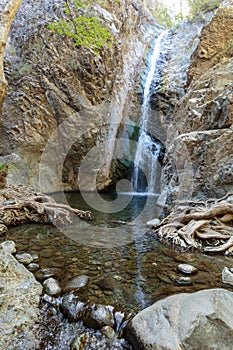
[33, 267]
[201, 320]
[24, 258]
[52, 287]
[187, 269]
[184, 281]
[45, 273]
[76, 283]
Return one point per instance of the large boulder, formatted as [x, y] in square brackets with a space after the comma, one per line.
[196, 321]
[19, 299]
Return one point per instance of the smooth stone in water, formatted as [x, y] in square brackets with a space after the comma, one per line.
[98, 316]
[227, 277]
[187, 269]
[153, 223]
[51, 287]
[35, 257]
[76, 283]
[43, 274]
[105, 284]
[24, 258]
[9, 247]
[32, 267]
[184, 281]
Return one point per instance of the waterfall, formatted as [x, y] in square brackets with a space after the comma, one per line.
[145, 171]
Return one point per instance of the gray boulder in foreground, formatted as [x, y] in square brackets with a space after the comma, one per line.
[19, 299]
[195, 321]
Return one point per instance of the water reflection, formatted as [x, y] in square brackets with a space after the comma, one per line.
[130, 275]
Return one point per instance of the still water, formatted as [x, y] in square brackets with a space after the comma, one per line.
[126, 266]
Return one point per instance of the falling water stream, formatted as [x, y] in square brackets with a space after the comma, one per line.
[148, 150]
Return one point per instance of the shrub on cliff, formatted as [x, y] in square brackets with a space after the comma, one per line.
[82, 25]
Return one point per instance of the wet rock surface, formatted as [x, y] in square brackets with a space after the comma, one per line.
[52, 287]
[98, 316]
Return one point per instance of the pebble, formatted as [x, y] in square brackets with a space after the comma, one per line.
[117, 277]
[187, 269]
[24, 258]
[105, 284]
[52, 287]
[35, 257]
[33, 267]
[227, 277]
[43, 274]
[76, 283]
[9, 247]
[74, 259]
[184, 281]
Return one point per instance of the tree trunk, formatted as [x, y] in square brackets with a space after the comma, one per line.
[6, 17]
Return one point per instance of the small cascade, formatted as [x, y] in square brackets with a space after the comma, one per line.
[145, 174]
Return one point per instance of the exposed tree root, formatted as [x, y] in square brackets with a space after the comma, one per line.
[21, 204]
[208, 228]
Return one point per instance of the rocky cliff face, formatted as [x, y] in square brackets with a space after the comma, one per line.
[52, 83]
[199, 155]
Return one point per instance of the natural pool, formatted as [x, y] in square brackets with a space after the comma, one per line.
[125, 264]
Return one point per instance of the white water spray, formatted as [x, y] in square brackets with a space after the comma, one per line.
[148, 150]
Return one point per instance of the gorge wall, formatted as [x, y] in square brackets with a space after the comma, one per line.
[52, 82]
[199, 157]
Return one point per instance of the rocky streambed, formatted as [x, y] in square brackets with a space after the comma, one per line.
[81, 281]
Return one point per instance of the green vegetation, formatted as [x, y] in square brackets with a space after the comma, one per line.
[199, 7]
[5, 168]
[86, 29]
